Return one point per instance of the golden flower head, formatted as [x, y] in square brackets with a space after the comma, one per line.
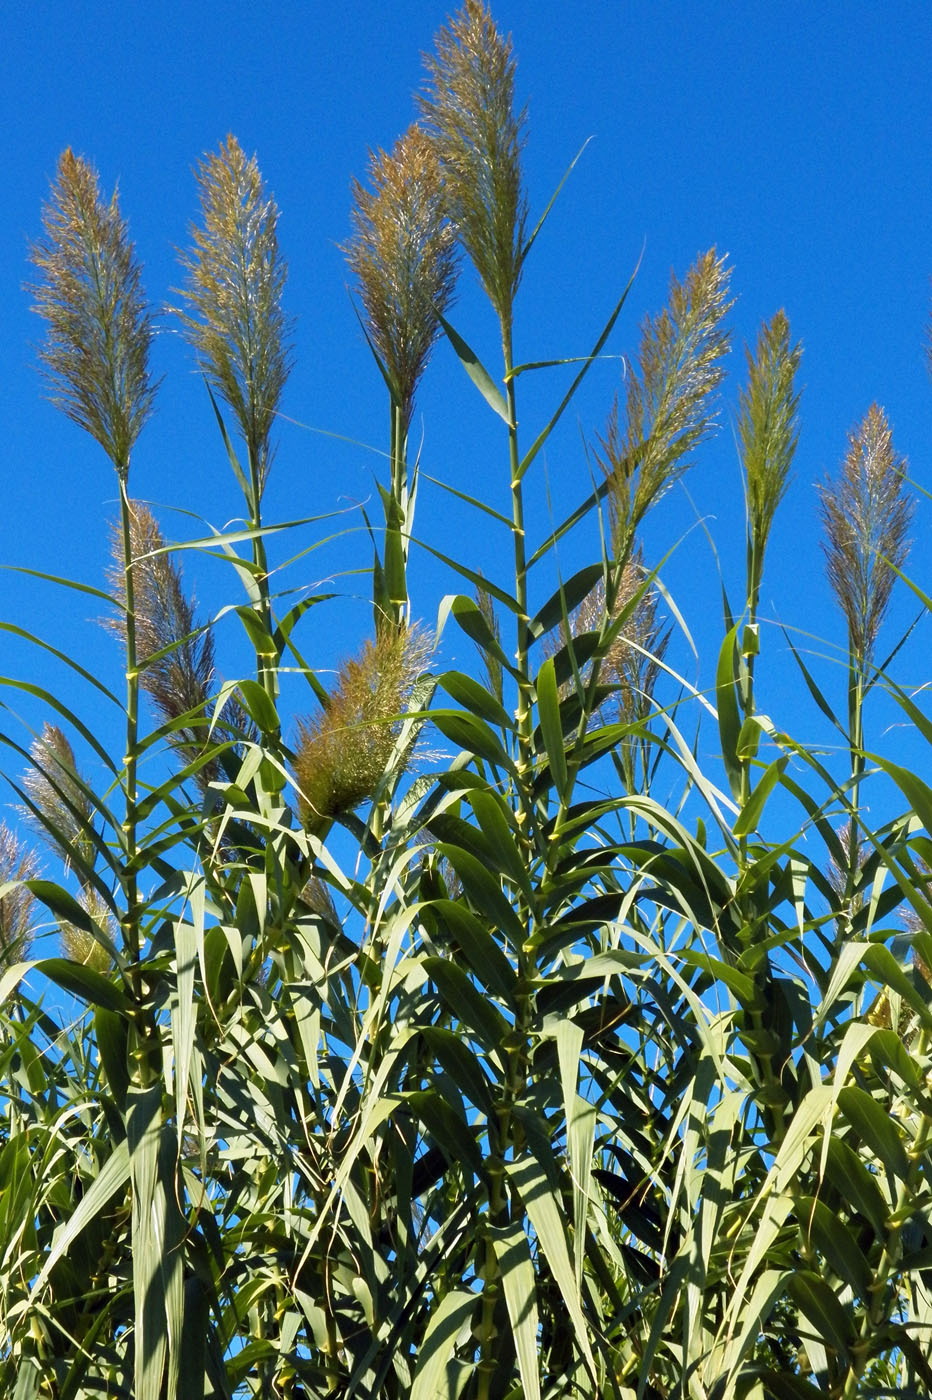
[17, 862]
[670, 396]
[179, 680]
[866, 515]
[62, 813]
[402, 255]
[767, 425]
[236, 279]
[343, 753]
[469, 110]
[98, 328]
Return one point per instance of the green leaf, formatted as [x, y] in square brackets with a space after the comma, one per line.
[544, 1208]
[485, 893]
[260, 638]
[550, 203]
[484, 956]
[830, 1234]
[81, 981]
[544, 434]
[462, 1065]
[451, 1318]
[475, 698]
[548, 709]
[753, 809]
[818, 1304]
[472, 735]
[477, 372]
[520, 1288]
[884, 966]
[856, 1185]
[445, 1125]
[259, 705]
[143, 1122]
[729, 719]
[466, 1005]
[874, 1125]
[494, 818]
[568, 596]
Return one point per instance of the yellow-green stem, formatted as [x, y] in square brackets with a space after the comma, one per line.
[266, 661]
[523, 716]
[130, 919]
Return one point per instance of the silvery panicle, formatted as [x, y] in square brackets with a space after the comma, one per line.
[670, 395]
[235, 283]
[402, 255]
[95, 356]
[866, 514]
[469, 111]
[17, 862]
[165, 618]
[63, 814]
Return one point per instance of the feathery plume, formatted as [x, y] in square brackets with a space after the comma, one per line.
[236, 278]
[80, 945]
[342, 754]
[179, 680]
[98, 328]
[403, 257]
[65, 814]
[668, 411]
[17, 862]
[634, 656]
[866, 516]
[767, 425]
[469, 109]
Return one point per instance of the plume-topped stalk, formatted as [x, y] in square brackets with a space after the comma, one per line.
[98, 328]
[669, 406]
[866, 514]
[96, 356]
[768, 431]
[469, 110]
[767, 436]
[403, 258]
[235, 283]
[238, 328]
[669, 410]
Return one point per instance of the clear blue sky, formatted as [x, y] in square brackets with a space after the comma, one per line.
[795, 137]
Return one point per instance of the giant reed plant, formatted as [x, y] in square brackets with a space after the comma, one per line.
[566, 1063]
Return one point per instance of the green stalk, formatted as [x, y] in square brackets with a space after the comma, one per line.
[266, 661]
[399, 482]
[856, 693]
[130, 919]
[517, 1050]
[524, 715]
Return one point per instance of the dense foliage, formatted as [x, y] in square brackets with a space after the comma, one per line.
[425, 1050]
